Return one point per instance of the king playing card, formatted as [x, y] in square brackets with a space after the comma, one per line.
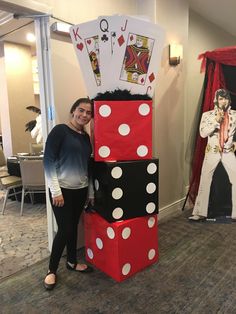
[86, 44]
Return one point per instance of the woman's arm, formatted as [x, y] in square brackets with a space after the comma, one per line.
[51, 155]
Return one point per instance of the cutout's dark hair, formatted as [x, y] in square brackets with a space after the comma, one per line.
[223, 93]
[80, 101]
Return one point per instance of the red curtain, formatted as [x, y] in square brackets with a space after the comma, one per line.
[212, 62]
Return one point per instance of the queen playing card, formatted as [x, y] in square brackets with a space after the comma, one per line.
[107, 42]
[86, 43]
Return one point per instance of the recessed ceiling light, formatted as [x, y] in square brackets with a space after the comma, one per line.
[30, 37]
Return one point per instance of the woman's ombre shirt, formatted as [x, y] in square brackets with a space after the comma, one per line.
[66, 159]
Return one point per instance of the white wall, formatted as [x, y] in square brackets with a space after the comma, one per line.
[19, 82]
[168, 131]
[68, 80]
[82, 11]
[147, 9]
[172, 15]
[177, 89]
[168, 128]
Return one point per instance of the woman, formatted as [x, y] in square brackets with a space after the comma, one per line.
[66, 161]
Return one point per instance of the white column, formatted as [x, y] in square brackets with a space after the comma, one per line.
[42, 32]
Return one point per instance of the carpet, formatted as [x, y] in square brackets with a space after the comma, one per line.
[196, 273]
[23, 239]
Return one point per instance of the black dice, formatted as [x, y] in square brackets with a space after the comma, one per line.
[126, 189]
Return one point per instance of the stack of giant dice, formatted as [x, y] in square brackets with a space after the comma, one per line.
[121, 237]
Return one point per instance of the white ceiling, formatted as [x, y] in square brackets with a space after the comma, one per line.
[15, 29]
[219, 12]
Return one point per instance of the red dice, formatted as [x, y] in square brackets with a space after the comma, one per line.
[122, 130]
[121, 249]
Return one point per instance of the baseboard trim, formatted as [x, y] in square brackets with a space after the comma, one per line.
[171, 210]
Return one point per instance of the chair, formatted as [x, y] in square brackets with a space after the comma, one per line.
[36, 148]
[7, 184]
[33, 180]
[3, 164]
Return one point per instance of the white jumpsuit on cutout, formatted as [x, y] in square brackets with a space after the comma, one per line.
[213, 155]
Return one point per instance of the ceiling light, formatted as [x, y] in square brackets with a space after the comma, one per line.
[61, 28]
[30, 37]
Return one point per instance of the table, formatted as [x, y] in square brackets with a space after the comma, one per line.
[13, 166]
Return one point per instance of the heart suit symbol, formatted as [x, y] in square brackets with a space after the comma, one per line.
[80, 46]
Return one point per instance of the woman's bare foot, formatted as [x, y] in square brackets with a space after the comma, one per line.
[81, 267]
[50, 280]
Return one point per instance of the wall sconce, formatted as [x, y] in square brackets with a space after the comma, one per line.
[176, 54]
[61, 28]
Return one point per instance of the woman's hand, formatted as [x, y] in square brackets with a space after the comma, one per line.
[89, 205]
[58, 201]
[91, 201]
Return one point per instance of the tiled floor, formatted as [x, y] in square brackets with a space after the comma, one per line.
[23, 239]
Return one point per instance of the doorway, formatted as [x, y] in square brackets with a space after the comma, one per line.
[61, 83]
[20, 76]
[23, 239]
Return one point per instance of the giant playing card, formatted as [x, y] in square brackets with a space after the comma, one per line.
[118, 52]
[86, 43]
[107, 44]
[136, 55]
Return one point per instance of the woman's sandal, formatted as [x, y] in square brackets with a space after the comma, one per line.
[50, 286]
[88, 269]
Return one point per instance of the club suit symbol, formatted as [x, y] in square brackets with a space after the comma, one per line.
[104, 38]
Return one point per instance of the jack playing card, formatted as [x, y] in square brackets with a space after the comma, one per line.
[136, 55]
